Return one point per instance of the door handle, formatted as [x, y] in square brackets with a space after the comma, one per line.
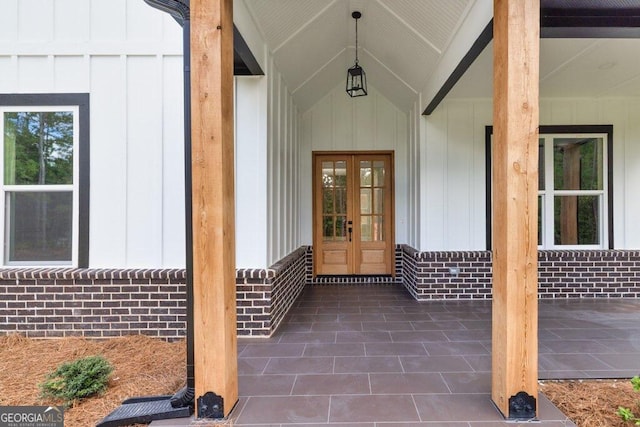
[350, 229]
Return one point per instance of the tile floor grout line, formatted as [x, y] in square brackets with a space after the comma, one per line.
[293, 385]
[415, 405]
[387, 358]
[445, 382]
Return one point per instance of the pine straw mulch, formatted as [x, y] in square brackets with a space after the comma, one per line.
[142, 367]
[145, 367]
[593, 403]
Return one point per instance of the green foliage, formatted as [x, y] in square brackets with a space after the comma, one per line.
[627, 414]
[38, 148]
[76, 380]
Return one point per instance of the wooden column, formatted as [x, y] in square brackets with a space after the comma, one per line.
[214, 274]
[516, 27]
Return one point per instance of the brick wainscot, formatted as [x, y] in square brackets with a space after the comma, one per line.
[49, 303]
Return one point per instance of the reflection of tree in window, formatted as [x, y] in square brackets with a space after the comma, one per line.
[42, 151]
[334, 200]
[38, 150]
[372, 200]
[577, 167]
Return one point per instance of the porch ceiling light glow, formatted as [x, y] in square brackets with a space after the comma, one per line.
[356, 77]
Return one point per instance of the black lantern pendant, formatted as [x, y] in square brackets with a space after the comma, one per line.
[356, 77]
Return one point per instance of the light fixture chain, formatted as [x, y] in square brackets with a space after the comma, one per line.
[356, 41]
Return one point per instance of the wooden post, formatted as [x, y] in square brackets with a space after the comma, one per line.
[214, 274]
[516, 27]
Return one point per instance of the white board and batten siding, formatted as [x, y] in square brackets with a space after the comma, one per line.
[452, 171]
[416, 130]
[452, 177]
[128, 56]
[340, 123]
[266, 170]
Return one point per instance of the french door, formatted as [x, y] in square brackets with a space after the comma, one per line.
[353, 213]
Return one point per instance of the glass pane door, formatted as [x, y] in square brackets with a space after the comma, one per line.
[353, 214]
[334, 200]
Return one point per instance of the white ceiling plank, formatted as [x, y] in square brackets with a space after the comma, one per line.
[410, 28]
[311, 41]
[303, 27]
[611, 62]
[314, 47]
[557, 55]
[278, 19]
[318, 71]
[397, 77]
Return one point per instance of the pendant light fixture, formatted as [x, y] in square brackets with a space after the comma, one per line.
[356, 77]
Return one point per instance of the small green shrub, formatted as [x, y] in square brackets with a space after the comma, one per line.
[76, 380]
[626, 413]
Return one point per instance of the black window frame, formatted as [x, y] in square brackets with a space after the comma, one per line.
[82, 101]
[556, 129]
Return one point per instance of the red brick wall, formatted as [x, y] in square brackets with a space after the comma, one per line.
[48, 303]
[265, 296]
[92, 303]
[562, 274]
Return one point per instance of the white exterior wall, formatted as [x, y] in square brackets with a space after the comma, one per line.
[128, 57]
[340, 123]
[416, 129]
[267, 213]
[452, 203]
[283, 169]
[452, 183]
[251, 171]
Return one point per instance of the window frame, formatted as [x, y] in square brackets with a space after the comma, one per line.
[606, 220]
[79, 104]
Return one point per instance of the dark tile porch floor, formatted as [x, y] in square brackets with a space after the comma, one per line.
[372, 356]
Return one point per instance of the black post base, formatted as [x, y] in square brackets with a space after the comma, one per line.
[210, 406]
[522, 406]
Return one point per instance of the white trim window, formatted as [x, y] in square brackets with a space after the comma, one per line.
[39, 167]
[572, 190]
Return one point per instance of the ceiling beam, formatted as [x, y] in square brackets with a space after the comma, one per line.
[244, 62]
[563, 20]
[600, 22]
[476, 49]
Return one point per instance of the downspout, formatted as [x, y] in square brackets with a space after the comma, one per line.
[179, 10]
[186, 26]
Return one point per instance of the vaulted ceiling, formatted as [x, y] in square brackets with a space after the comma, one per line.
[399, 42]
[402, 43]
